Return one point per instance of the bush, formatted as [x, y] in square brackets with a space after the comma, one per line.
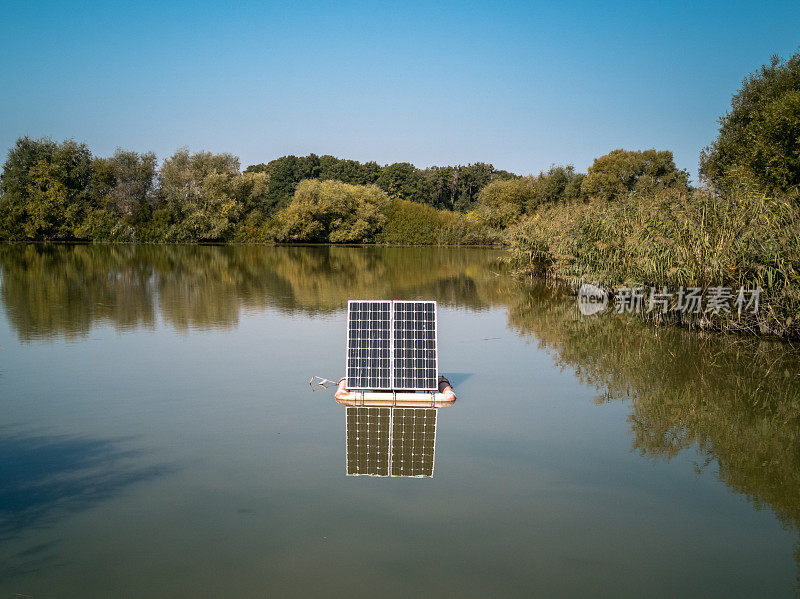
[558, 184]
[502, 202]
[331, 211]
[416, 224]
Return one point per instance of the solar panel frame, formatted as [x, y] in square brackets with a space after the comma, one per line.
[358, 376]
[430, 380]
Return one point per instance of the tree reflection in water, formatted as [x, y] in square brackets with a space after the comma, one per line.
[54, 291]
[735, 400]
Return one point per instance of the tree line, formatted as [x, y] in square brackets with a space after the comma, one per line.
[60, 191]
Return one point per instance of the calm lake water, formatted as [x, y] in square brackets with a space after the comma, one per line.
[159, 438]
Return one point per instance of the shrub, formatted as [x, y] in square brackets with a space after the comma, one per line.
[559, 183]
[502, 202]
[413, 223]
[331, 211]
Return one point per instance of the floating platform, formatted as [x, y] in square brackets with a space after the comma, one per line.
[444, 397]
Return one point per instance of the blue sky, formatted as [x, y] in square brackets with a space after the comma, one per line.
[520, 85]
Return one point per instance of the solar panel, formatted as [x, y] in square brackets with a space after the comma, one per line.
[390, 441]
[392, 345]
[414, 346]
[369, 349]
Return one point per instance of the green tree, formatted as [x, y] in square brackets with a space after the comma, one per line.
[123, 192]
[449, 187]
[471, 179]
[134, 183]
[759, 138]
[198, 192]
[348, 171]
[621, 172]
[443, 182]
[284, 174]
[559, 183]
[403, 180]
[332, 211]
[45, 189]
[457, 187]
[502, 202]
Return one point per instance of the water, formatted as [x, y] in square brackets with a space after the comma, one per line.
[158, 437]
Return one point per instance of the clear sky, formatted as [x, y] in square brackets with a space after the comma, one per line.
[520, 85]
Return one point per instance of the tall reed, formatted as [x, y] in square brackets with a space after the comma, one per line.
[742, 239]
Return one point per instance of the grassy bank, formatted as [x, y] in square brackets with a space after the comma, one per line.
[741, 238]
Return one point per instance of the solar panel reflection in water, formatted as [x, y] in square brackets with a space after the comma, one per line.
[390, 441]
[368, 441]
[369, 359]
[413, 441]
[415, 352]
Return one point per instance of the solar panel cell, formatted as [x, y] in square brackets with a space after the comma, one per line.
[392, 345]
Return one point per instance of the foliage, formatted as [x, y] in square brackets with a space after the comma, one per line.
[457, 187]
[123, 192]
[284, 174]
[125, 183]
[759, 138]
[348, 171]
[676, 239]
[45, 189]
[559, 183]
[448, 187]
[332, 211]
[60, 192]
[415, 224]
[501, 203]
[403, 180]
[620, 173]
[198, 193]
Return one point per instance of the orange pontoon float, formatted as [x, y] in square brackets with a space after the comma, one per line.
[445, 396]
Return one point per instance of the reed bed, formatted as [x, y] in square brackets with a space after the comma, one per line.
[696, 239]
